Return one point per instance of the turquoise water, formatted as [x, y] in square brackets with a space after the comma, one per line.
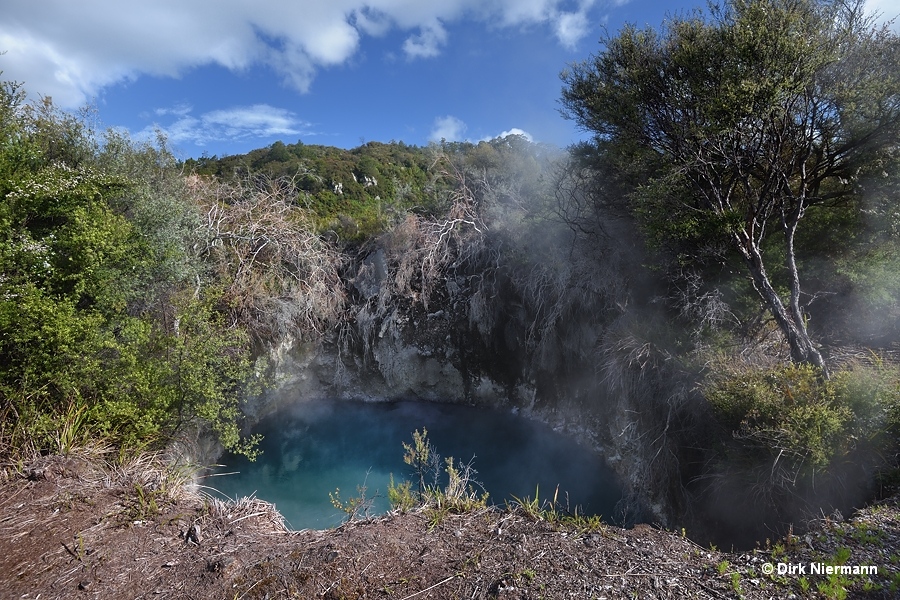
[310, 451]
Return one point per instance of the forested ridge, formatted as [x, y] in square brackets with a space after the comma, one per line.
[723, 254]
[365, 186]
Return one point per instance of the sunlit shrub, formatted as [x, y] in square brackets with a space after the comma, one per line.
[459, 495]
[109, 332]
[792, 422]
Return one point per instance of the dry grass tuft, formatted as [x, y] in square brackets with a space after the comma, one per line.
[246, 507]
[154, 473]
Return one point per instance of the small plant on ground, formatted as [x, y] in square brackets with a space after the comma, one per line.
[895, 583]
[864, 534]
[460, 492]
[835, 586]
[400, 495]
[736, 583]
[584, 523]
[459, 495]
[421, 456]
[553, 512]
[356, 507]
[531, 506]
[144, 505]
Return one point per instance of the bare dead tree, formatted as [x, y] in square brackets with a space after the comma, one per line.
[280, 278]
[420, 250]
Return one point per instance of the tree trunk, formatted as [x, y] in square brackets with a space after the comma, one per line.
[791, 323]
[812, 354]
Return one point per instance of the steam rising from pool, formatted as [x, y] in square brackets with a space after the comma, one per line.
[310, 451]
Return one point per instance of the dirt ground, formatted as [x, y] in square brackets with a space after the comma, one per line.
[75, 527]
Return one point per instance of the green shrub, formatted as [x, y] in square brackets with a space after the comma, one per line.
[401, 496]
[108, 330]
[791, 416]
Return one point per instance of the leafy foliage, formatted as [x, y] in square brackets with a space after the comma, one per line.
[133, 294]
[791, 424]
[457, 496]
[355, 194]
[104, 330]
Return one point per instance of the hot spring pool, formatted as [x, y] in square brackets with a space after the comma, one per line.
[311, 450]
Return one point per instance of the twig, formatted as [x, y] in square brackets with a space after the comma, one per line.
[429, 588]
[250, 588]
[72, 552]
[256, 514]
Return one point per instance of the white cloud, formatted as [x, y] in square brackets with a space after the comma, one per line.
[236, 123]
[453, 129]
[570, 28]
[509, 132]
[447, 128]
[371, 21]
[72, 50]
[178, 110]
[259, 120]
[428, 43]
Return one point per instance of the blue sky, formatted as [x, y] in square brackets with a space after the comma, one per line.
[234, 75]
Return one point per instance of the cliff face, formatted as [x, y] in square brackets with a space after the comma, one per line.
[444, 352]
[479, 338]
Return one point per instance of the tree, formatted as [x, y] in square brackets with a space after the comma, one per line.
[107, 329]
[746, 119]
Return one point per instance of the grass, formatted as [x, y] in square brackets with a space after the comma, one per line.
[551, 511]
[736, 583]
[246, 507]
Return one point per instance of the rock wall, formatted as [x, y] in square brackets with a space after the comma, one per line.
[617, 400]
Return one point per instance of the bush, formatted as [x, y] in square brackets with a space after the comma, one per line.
[457, 496]
[792, 423]
[108, 331]
[280, 279]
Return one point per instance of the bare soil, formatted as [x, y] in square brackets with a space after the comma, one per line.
[75, 527]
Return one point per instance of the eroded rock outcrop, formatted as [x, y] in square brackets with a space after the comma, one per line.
[478, 339]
